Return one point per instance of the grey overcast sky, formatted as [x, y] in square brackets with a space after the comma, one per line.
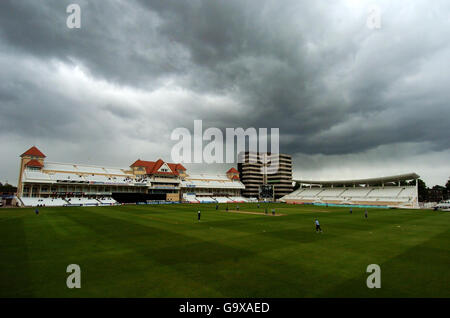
[351, 101]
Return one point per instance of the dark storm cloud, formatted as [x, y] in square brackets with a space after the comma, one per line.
[260, 50]
[116, 41]
[137, 69]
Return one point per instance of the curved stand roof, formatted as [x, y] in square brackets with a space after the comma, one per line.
[396, 178]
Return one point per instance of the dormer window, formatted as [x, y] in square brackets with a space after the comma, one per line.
[164, 168]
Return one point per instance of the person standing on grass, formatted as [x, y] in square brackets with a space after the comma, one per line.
[365, 214]
[36, 211]
[351, 211]
[273, 211]
[217, 207]
[316, 221]
[237, 207]
[199, 214]
[258, 205]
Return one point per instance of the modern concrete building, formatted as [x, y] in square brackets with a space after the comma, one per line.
[259, 169]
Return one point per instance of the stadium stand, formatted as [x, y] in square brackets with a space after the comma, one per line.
[43, 202]
[385, 191]
[206, 188]
[142, 182]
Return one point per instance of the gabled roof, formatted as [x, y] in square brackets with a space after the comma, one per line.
[179, 166]
[152, 167]
[232, 170]
[33, 151]
[235, 177]
[140, 163]
[34, 163]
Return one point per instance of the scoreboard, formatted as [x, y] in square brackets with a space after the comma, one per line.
[266, 191]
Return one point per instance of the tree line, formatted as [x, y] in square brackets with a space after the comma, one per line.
[435, 194]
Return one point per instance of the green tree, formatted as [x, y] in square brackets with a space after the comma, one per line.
[423, 190]
[447, 190]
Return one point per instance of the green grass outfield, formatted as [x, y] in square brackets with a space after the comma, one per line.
[162, 251]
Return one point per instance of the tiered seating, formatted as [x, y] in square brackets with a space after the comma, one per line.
[206, 200]
[73, 173]
[90, 169]
[356, 192]
[114, 171]
[332, 193]
[222, 199]
[295, 194]
[141, 180]
[30, 201]
[54, 202]
[84, 169]
[97, 178]
[122, 180]
[48, 202]
[211, 181]
[37, 175]
[310, 194]
[407, 192]
[68, 177]
[191, 198]
[239, 199]
[82, 201]
[107, 201]
[78, 178]
[43, 201]
[391, 196]
[59, 166]
[390, 192]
